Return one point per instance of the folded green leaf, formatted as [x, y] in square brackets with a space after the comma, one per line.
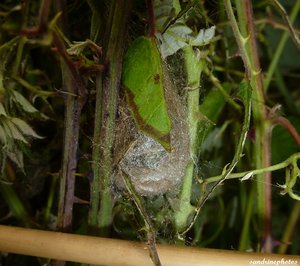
[143, 81]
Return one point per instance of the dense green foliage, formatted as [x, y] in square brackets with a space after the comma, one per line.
[60, 87]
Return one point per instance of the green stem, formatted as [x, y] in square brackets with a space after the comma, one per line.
[246, 97]
[51, 198]
[138, 201]
[35, 89]
[14, 203]
[261, 150]
[282, 87]
[244, 239]
[279, 48]
[284, 90]
[96, 19]
[100, 215]
[193, 69]
[95, 185]
[272, 168]
[218, 85]
[240, 39]
[290, 228]
[185, 208]
[19, 56]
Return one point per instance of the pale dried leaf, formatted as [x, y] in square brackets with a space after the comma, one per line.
[247, 176]
[23, 102]
[204, 36]
[3, 137]
[2, 110]
[17, 157]
[25, 128]
[12, 131]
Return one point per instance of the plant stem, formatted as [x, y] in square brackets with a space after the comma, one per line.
[151, 19]
[241, 40]
[51, 198]
[272, 168]
[244, 238]
[246, 97]
[14, 203]
[71, 138]
[193, 69]
[100, 215]
[74, 86]
[287, 21]
[138, 201]
[281, 44]
[290, 227]
[218, 85]
[280, 83]
[97, 19]
[246, 40]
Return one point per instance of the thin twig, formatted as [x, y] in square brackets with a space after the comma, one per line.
[287, 21]
[271, 168]
[148, 224]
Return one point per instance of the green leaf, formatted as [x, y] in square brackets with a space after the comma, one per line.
[3, 137]
[2, 90]
[17, 157]
[281, 135]
[14, 202]
[25, 128]
[25, 104]
[143, 81]
[245, 92]
[2, 110]
[12, 131]
[214, 103]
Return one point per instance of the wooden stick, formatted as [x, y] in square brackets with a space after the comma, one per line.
[104, 251]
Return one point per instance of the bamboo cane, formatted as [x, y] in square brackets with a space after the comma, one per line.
[104, 251]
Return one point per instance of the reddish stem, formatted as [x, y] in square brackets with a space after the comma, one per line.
[288, 125]
[151, 18]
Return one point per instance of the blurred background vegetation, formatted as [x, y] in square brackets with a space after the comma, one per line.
[48, 105]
